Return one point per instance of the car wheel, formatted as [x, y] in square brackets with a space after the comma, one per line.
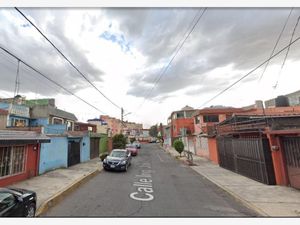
[30, 212]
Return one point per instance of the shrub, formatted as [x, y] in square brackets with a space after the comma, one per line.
[119, 141]
[178, 145]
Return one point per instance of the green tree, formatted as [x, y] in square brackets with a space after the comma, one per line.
[178, 145]
[153, 131]
[119, 141]
[132, 140]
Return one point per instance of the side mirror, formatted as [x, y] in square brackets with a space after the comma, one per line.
[19, 199]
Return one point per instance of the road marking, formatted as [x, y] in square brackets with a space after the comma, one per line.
[144, 185]
[159, 158]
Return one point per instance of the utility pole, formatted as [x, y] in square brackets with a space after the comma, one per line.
[122, 117]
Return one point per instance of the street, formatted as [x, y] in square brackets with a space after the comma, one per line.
[154, 185]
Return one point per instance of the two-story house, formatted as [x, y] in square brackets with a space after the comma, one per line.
[205, 121]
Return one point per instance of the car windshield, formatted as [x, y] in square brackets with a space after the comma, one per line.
[118, 154]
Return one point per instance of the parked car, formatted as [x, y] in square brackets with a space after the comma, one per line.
[118, 159]
[15, 202]
[133, 149]
[137, 144]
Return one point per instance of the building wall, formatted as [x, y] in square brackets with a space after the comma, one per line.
[54, 154]
[85, 149]
[30, 168]
[181, 123]
[39, 122]
[201, 146]
[103, 144]
[3, 121]
[213, 152]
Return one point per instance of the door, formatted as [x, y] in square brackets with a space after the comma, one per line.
[73, 152]
[94, 148]
[292, 154]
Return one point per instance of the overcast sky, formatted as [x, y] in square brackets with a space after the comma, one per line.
[123, 51]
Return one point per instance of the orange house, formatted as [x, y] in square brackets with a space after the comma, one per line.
[205, 121]
[182, 126]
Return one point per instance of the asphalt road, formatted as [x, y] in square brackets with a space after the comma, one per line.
[154, 185]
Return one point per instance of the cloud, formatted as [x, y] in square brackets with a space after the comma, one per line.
[41, 55]
[243, 38]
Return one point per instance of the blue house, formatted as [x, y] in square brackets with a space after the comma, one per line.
[67, 147]
[18, 114]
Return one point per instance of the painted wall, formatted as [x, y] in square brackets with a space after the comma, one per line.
[3, 121]
[39, 122]
[177, 124]
[213, 152]
[54, 154]
[103, 144]
[30, 168]
[55, 129]
[85, 149]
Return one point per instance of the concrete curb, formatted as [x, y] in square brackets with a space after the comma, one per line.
[237, 197]
[55, 199]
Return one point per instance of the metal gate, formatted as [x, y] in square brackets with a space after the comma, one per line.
[292, 154]
[249, 156]
[94, 148]
[73, 152]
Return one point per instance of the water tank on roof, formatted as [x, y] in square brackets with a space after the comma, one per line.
[281, 101]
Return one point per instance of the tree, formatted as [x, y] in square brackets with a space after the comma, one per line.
[178, 145]
[119, 141]
[153, 131]
[132, 140]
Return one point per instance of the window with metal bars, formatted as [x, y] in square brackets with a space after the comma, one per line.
[12, 160]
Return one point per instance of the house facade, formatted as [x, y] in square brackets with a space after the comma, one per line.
[182, 127]
[265, 140]
[19, 155]
[205, 121]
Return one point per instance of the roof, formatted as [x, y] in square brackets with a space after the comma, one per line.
[3, 112]
[61, 113]
[274, 112]
[26, 136]
[187, 108]
[218, 110]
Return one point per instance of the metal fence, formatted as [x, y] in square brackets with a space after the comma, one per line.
[250, 156]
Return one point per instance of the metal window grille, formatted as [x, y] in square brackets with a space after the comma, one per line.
[12, 160]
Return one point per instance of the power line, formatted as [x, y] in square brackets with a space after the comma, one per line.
[297, 39]
[185, 33]
[49, 79]
[287, 52]
[66, 58]
[279, 37]
[165, 68]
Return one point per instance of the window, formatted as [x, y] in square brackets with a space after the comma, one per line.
[18, 122]
[12, 160]
[197, 119]
[180, 115]
[210, 118]
[56, 120]
[6, 200]
[189, 114]
[69, 125]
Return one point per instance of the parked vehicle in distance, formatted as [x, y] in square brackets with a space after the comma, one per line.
[118, 159]
[15, 202]
[133, 149]
[137, 144]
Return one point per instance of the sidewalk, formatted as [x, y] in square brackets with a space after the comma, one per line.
[267, 200]
[51, 187]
